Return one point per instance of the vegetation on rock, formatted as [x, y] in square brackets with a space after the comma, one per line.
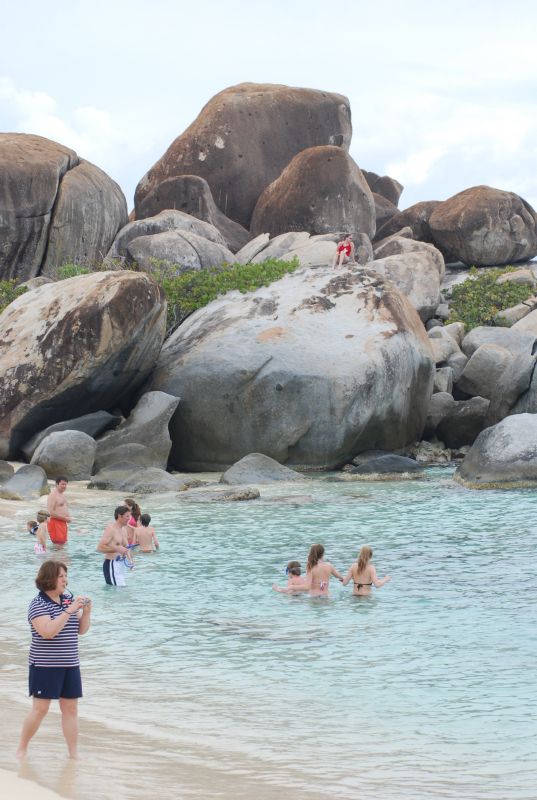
[9, 291]
[71, 271]
[479, 298]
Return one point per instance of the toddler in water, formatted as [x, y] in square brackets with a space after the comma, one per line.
[294, 577]
[40, 546]
[32, 526]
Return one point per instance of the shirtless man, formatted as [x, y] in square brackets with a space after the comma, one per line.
[146, 536]
[59, 513]
[113, 544]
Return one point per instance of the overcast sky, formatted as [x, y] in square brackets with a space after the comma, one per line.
[443, 94]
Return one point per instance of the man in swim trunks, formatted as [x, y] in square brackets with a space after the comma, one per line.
[344, 251]
[59, 513]
[113, 544]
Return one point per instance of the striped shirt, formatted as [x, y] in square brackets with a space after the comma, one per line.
[62, 650]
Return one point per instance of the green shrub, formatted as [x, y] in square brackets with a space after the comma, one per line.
[71, 271]
[192, 290]
[8, 292]
[478, 300]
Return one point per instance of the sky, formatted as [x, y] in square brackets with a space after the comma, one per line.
[443, 95]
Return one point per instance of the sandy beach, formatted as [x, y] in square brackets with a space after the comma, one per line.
[12, 785]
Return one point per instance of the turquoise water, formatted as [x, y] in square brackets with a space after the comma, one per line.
[426, 689]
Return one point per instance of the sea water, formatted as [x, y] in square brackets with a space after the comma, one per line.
[425, 689]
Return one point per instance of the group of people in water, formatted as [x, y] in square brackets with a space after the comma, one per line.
[316, 581]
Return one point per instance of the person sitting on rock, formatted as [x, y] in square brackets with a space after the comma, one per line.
[344, 251]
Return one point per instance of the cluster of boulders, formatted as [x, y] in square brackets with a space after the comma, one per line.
[312, 370]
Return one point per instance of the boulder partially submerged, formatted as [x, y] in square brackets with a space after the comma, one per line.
[257, 468]
[503, 456]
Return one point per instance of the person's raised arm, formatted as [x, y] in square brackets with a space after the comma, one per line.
[378, 582]
[85, 619]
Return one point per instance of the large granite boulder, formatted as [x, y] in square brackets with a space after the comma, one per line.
[85, 343]
[390, 464]
[321, 190]
[245, 136]
[309, 370]
[512, 339]
[384, 186]
[146, 427]
[512, 389]
[177, 251]
[54, 207]
[462, 425]
[68, 453]
[28, 483]
[503, 456]
[93, 424]
[417, 271]
[441, 405]
[6, 471]
[415, 217]
[258, 468]
[384, 210]
[483, 371]
[192, 195]
[280, 245]
[485, 226]
[137, 479]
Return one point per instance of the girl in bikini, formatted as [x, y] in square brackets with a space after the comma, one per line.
[363, 574]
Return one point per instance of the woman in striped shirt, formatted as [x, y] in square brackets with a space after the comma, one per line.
[56, 620]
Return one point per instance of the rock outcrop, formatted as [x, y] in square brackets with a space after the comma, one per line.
[503, 456]
[28, 483]
[54, 207]
[92, 424]
[309, 371]
[384, 186]
[485, 226]
[67, 453]
[245, 136]
[85, 343]
[145, 432]
[415, 217]
[257, 468]
[192, 195]
[320, 191]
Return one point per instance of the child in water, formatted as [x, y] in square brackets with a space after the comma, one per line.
[40, 545]
[32, 526]
[294, 577]
[145, 536]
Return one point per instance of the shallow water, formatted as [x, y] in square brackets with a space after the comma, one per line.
[424, 690]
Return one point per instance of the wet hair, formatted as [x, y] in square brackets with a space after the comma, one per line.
[133, 507]
[315, 554]
[61, 478]
[364, 556]
[48, 575]
[32, 523]
[145, 519]
[42, 516]
[120, 510]
[294, 568]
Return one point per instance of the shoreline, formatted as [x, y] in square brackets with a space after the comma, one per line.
[23, 788]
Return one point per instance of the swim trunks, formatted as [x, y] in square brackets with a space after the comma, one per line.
[114, 571]
[57, 530]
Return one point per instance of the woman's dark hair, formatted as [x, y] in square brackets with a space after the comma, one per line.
[48, 575]
[134, 508]
[145, 519]
[315, 555]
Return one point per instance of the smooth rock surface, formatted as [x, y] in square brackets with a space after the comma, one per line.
[309, 370]
[383, 185]
[88, 343]
[93, 424]
[462, 425]
[181, 251]
[258, 468]
[485, 226]
[29, 482]
[484, 369]
[245, 136]
[146, 426]
[388, 464]
[441, 405]
[514, 339]
[415, 217]
[67, 453]
[192, 195]
[6, 471]
[512, 390]
[417, 273]
[136, 479]
[321, 190]
[503, 456]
